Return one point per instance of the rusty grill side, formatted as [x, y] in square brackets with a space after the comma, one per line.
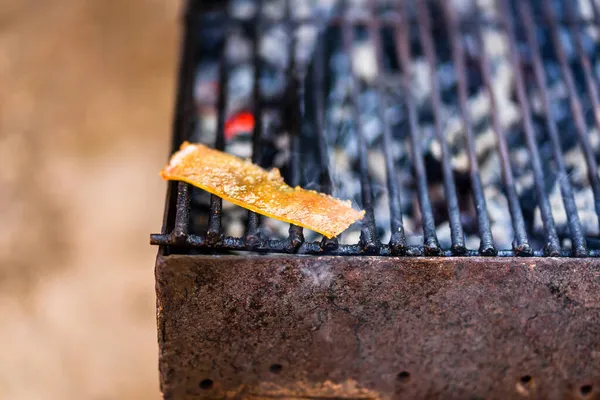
[305, 103]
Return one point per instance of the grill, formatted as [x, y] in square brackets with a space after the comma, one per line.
[469, 132]
[440, 163]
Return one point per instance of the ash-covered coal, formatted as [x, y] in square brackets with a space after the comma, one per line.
[379, 89]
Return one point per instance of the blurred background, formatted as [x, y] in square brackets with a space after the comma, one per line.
[86, 100]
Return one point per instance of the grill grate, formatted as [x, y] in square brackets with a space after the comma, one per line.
[442, 34]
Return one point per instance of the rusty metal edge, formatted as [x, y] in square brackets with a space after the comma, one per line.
[554, 301]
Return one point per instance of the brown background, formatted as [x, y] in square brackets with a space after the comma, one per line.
[86, 93]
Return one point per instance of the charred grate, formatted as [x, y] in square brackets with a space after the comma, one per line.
[462, 128]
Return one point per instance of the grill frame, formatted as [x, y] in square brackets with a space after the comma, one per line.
[243, 326]
[175, 236]
[347, 328]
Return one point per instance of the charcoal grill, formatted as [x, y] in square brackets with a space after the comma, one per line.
[467, 131]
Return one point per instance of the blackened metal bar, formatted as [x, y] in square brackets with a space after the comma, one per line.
[184, 122]
[314, 248]
[214, 232]
[397, 238]
[552, 246]
[252, 231]
[319, 69]
[590, 84]
[182, 211]
[578, 118]
[430, 240]
[483, 221]
[368, 235]
[577, 237]
[521, 243]
[456, 230]
[294, 102]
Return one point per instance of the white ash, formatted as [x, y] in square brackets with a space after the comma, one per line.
[376, 161]
[239, 87]
[364, 62]
[497, 206]
[490, 170]
[238, 48]
[584, 199]
[524, 183]
[350, 236]
[444, 235]
[242, 9]
[306, 37]
[382, 205]
[420, 83]
[275, 46]
[576, 167]
[273, 9]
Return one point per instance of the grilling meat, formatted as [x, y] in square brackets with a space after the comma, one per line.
[258, 190]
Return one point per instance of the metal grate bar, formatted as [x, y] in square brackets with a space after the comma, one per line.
[456, 230]
[430, 240]
[214, 232]
[368, 235]
[295, 94]
[552, 247]
[253, 229]
[182, 212]
[576, 109]
[314, 248]
[183, 123]
[397, 238]
[577, 237]
[317, 80]
[521, 243]
[483, 221]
